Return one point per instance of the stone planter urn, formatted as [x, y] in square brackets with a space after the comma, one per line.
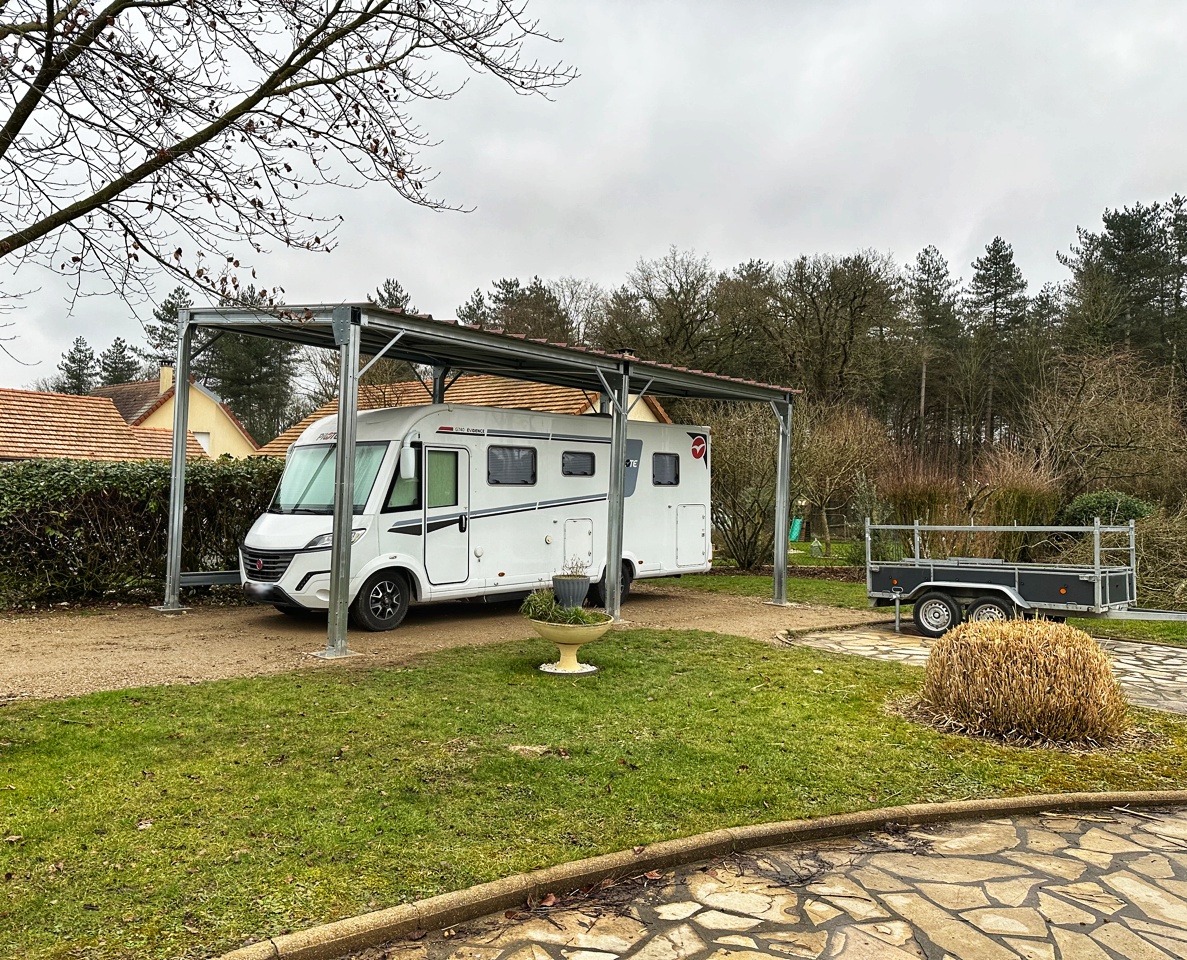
[570, 589]
[569, 637]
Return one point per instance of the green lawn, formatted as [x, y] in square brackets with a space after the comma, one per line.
[169, 822]
[829, 593]
[853, 596]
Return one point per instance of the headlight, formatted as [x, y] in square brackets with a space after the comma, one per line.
[327, 539]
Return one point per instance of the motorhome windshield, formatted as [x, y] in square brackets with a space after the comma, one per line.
[307, 485]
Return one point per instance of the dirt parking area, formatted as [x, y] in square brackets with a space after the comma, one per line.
[63, 654]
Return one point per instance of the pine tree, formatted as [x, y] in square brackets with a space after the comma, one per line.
[475, 312]
[117, 364]
[933, 318]
[997, 306]
[255, 377]
[391, 294]
[161, 332]
[78, 369]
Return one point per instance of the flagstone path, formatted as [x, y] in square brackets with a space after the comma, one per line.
[1152, 675]
[1099, 886]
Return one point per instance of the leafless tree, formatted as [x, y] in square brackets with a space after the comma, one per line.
[834, 448]
[137, 135]
[1108, 422]
[743, 462]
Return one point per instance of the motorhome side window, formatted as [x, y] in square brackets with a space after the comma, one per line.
[405, 491]
[515, 466]
[576, 463]
[441, 479]
[665, 469]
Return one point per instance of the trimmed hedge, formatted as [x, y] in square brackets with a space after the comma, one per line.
[1113, 508]
[88, 530]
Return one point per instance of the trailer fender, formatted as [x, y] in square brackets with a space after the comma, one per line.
[978, 589]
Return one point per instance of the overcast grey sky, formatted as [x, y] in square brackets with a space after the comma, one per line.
[753, 129]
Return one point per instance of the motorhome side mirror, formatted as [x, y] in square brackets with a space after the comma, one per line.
[407, 462]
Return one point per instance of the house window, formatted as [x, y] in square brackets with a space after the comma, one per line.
[576, 463]
[203, 438]
[514, 466]
[665, 469]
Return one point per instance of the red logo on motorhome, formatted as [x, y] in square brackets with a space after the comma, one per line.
[698, 448]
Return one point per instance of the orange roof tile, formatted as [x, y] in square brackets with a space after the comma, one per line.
[157, 444]
[483, 391]
[132, 400]
[35, 425]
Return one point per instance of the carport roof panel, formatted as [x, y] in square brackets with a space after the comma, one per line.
[459, 347]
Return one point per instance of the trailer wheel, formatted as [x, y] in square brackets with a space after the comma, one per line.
[936, 613]
[991, 609]
[597, 591]
[382, 602]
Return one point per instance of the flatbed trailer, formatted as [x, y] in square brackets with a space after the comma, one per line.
[946, 591]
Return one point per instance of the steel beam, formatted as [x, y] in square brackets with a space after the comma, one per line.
[619, 406]
[181, 421]
[439, 384]
[346, 335]
[782, 498]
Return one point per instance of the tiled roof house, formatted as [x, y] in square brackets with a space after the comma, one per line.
[36, 425]
[485, 391]
[149, 403]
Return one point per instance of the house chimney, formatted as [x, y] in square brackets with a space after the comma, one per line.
[166, 377]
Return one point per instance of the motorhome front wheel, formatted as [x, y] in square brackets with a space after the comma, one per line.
[382, 602]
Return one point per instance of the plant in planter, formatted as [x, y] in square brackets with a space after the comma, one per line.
[568, 627]
[572, 584]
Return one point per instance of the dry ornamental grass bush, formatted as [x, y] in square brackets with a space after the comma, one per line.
[1030, 681]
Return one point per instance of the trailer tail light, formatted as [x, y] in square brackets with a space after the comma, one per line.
[1063, 589]
[894, 583]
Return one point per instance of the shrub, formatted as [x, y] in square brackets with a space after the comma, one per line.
[1113, 508]
[1017, 491]
[86, 530]
[1024, 680]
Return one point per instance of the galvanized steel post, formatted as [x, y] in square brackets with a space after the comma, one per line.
[782, 499]
[615, 500]
[181, 419]
[346, 324]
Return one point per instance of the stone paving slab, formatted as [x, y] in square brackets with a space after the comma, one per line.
[1100, 886]
[1152, 675]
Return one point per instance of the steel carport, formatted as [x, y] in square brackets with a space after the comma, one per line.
[355, 329]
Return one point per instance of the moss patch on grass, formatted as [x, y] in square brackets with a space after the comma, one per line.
[167, 822]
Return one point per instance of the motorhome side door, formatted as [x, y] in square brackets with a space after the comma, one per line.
[447, 514]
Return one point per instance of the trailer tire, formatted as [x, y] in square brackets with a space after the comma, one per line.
[382, 602]
[991, 609]
[935, 614]
[597, 591]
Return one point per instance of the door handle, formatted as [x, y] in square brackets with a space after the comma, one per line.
[461, 523]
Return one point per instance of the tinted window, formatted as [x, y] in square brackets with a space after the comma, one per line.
[575, 463]
[511, 465]
[665, 469]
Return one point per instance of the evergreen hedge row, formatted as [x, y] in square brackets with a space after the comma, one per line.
[88, 530]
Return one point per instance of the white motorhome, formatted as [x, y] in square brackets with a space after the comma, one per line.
[455, 501]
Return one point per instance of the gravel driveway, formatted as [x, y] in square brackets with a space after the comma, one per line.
[62, 654]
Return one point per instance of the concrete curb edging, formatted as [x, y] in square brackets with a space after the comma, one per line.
[332, 940]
